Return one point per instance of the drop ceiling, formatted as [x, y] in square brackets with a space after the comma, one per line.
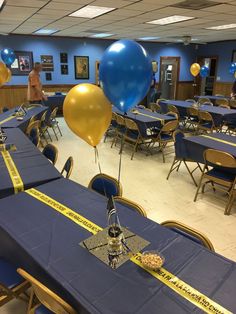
[129, 19]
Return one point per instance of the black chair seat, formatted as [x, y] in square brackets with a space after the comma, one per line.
[8, 275]
[42, 310]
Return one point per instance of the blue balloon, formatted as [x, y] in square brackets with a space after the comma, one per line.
[8, 56]
[232, 68]
[125, 74]
[204, 71]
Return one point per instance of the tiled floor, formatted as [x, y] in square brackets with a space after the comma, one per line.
[144, 180]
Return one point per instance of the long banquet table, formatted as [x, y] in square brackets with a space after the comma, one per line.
[42, 240]
[145, 119]
[33, 167]
[219, 114]
[196, 145]
[212, 98]
[54, 101]
[9, 120]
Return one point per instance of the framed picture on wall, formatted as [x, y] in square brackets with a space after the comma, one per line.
[97, 64]
[63, 57]
[47, 63]
[233, 56]
[23, 63]
[48, 76]
[81, 64]
[64, 69]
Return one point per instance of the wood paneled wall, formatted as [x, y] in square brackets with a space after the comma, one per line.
[11, 96]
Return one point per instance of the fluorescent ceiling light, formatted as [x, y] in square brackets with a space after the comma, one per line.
[2, 3]
[91, 11]
[220, 27]
[148, 38]
[45, 31]
[102, 35]
[171, 19]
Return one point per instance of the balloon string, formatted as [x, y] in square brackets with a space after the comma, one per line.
[97, 160]
[121, 151]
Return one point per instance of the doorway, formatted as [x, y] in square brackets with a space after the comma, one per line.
[206, 86]
[169, 77]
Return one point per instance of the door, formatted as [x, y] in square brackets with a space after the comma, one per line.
[206, 86]
[169, 77]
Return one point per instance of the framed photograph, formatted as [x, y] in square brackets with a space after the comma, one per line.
[64, 69]
[233, 56]
[81, 64]
[47, 63]
[23, 63]
[48, 76]
[63, 57]
[97, 64]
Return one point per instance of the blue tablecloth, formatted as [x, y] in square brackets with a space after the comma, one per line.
[33, 167]
[14, 123]
[55, 101]
[145, 119]
[196, 145]
[44, 242]
[219, 114]
[212, 98]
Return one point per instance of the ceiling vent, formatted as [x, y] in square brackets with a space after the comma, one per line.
[195, 5]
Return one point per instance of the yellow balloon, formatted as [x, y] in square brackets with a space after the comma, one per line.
[235, 74]
[87, 112]
[8, 75]
[195, 69]
[3, 73]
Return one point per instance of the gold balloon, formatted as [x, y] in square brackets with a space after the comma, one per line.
[195, 69]
[8, 75]
[235, 74]
[3, 73]
[87, 112]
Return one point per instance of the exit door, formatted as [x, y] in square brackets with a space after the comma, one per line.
[169, 77]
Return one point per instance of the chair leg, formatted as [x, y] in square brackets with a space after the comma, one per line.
[59, 129]
[173, 167]
[230, 202]
[191, 174]
[55, 133]
[199, 186]
[134, 150]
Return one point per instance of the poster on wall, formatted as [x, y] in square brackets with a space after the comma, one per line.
[47, 63]
[64, 69]
[81, 64]
[48, 76]
[63, 57]
[23, 63]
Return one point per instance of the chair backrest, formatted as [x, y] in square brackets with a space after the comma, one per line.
[192, 112]
[68, 166]
[131, 205]
[43, 117]
[189, 233]
[120, 120]
[219, 158]
[224, 106]
[219, 95]
[222, 101]
[172, 108]
[169, 127]
[50, 152]
[232, 103]
[46, 296]
[105, 185]
[53, 113]
[172, 114]
[205, 116]
[141, 106]
[203, 100]
[155, 107]
[191, 100]
[35, 124]
[114, 116]
[31, 120]
[131, 124]
[207, 103]
[5, 109]
[160, 99]
[34, 136]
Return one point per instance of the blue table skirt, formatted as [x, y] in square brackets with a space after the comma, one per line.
[219, 114]
[55, 101]
[145, 122]
[45, 243]
[34, 168]
[196, 145]
[14, 123]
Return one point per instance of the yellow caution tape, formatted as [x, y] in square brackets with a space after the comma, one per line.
[219, 140]
[167, 278]
[13, 172]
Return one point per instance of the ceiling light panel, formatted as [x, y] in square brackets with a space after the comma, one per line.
[222, 27]
[171, 19]
[91, 11]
